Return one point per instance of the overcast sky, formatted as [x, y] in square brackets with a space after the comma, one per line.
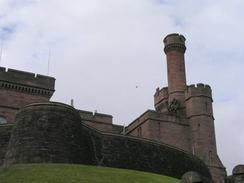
[108, 55]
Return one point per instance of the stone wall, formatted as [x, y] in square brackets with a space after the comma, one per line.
[47, 132]
[142, 154]
[102, 122]
[199, 111]
[54, 133]
[19, 88]
[161, 127]
[26, 79]
[5, 133]
[12, 101]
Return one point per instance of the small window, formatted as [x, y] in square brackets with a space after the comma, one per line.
[2, 120]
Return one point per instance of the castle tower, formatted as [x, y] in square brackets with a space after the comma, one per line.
[199, 111]
[175, 50]
[19, 88]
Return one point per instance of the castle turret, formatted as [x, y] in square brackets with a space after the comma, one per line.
[199, 112]
[175, 50]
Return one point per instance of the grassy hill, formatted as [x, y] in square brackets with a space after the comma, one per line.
[64, 173]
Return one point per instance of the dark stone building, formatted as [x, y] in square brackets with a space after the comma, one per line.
[175, 138]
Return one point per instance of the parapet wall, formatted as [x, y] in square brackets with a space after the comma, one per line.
[96, 117]
[102, 122]
[154, 116]
[142, 154]
[161, 99]
[165, 128]
[26, 79]
[199, 90]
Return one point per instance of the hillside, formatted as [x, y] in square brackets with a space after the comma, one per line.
[63, 173]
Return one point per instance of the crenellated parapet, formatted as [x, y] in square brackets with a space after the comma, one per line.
[199, 90]
[198, 99]
[96, 117]
[174, 42]
[26, 82]
[161, 99]
[19, 88]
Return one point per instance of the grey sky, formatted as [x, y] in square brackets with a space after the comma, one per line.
[102, 50]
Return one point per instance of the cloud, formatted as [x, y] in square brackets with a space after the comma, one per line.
[102, 50]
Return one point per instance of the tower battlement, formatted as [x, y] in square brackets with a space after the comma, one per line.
[174, 42]
[26, 79]
[97, 117]
[199, 90]
[161, 99]
[161, 94]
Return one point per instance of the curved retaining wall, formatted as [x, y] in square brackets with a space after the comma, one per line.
[54, 133]
[141, 154]
[47, 132]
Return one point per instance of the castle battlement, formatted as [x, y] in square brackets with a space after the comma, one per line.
[198, 90]
[97, 117]
[174, 41]
[27, 79]
[161, 94]
[161, 99]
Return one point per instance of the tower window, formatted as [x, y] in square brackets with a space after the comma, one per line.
[3, 120]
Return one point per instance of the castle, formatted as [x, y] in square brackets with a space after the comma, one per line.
[182, 125]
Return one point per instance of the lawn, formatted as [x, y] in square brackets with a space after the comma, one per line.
[65, 173]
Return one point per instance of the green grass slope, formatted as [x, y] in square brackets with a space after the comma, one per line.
[64, 173]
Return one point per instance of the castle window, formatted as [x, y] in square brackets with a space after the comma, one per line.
[3, 120]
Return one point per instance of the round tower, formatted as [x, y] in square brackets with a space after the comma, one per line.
[47, 133]
[199, 112]
[175, 50]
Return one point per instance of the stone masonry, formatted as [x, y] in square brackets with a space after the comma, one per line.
[183, 120]
[184, 114]
[18, 88]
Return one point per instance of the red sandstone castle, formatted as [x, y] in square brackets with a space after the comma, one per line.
[183, 115]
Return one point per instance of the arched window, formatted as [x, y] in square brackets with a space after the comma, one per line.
[3, 120]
